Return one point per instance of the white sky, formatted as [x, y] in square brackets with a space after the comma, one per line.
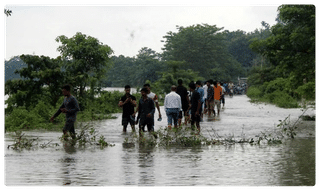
[125, 28]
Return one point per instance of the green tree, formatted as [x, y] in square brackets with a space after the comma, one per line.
[290, 49]
[147, 66]
[86, 60]
[175, 71]
[239, 48]
[121, 73]
[42, 78]
[202, 48]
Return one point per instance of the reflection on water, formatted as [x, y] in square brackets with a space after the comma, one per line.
[290, 163]
[146, 166]
[68, 162]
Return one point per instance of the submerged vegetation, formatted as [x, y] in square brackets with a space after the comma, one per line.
[187, 137]
[165, 137]
[87, 136]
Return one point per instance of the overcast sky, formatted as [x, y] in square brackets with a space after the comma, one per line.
[125, 28]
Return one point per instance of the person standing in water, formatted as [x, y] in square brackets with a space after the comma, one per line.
[183, 92]
[195, 106]
[70, 107]
[222, 93]
[217, 97]
[210, 97]
[201, 92]
[205, 89]
[172, 106]
[145, 111]
[154, 97]
[127, 103]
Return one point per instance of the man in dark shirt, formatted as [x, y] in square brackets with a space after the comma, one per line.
[128, 103]
[70, 107]
[182, 91]
[146, 111]
[195, 106]
[210, 97]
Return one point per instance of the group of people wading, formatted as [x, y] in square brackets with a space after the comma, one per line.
[178, 103]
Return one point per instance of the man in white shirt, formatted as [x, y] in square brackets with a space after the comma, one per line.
[172, 106]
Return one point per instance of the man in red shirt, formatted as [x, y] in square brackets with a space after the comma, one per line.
[217, 96]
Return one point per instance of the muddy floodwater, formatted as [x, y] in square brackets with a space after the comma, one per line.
[291, 163]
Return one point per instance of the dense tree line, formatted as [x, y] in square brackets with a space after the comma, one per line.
[279, 60]
[290, 53]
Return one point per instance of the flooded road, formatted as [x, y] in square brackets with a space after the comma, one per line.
[291, 163]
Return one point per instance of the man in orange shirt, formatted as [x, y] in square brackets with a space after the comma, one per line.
[217, 96]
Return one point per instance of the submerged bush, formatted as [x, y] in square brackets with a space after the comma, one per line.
[87, 136]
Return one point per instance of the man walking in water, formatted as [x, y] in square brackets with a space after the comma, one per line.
[223, 91]
[205, 89]
[70, 107]
[210, 97]
[172, 106]
[183, 92]
[153, 96]
[145, 111]
[201, 92]
[195, 106]
[217, 97]
[128, 103]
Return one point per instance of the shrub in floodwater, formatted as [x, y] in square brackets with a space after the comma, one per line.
[103, 143]
[186, 137]
[149, 141]
[87, 135]
[284, 125]
[165, 137]
[127, 143]
[20, 142]
[284, 129]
